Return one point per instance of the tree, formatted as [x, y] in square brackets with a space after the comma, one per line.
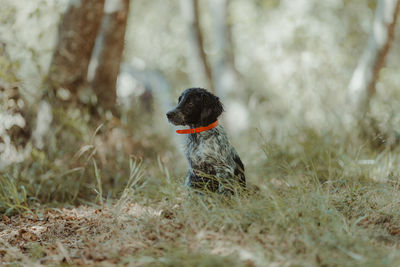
[363, 82]
[201, 70]
[71, 57]
[77, 35]
[226, 76]
[15, 122]
[108, 52]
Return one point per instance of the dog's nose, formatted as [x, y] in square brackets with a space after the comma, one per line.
[169, 114]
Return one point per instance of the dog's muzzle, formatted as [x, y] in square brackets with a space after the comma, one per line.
[175, 117]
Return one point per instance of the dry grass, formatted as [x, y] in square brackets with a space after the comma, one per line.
[319, 202]
[309, 224]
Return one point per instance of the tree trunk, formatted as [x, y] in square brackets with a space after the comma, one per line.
[108, 54]
[15, 112]
[226, 76]
[365, 76]
[77, 35]
[200, 68]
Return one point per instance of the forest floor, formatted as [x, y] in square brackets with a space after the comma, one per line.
[333, 224]
[319, 201]
[89, 236]
[82, 235]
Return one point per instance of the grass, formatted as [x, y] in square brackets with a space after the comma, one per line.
[12, 197]
[316, 199]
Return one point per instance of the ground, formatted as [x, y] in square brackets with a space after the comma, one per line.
[339, 223]
[80, 235]
[316, 200]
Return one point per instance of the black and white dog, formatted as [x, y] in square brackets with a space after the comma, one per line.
[214, 165]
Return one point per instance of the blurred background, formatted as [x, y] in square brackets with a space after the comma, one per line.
[90, 81]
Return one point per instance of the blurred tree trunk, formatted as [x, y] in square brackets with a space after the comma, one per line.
[364, 79]
[77, 35]
[69, 65]
[200, 67]
[16, 113]
[108, 55]
[226, 76]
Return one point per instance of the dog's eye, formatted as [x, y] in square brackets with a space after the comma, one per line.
[190, 104]
[179, 99]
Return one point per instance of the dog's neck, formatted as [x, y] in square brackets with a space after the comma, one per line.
[198, 129]
[194, 139]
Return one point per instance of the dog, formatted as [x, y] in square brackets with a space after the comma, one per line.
[214, 165]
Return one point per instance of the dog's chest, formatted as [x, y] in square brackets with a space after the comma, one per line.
[207, 146]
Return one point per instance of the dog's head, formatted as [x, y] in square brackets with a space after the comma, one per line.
[196, 108]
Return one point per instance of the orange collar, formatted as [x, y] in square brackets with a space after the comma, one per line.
[199, 129]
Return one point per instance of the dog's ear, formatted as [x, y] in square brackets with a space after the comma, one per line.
[211, 110]
[217, 106]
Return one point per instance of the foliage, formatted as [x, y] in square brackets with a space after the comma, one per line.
[13, 198]
[83, 157]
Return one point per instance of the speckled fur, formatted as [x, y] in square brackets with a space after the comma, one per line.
[214, 164]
